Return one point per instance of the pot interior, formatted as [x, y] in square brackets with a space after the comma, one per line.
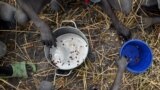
[72, 48]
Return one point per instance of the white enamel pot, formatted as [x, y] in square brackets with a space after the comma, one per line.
[71, 51]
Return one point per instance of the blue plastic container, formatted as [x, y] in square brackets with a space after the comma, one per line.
[139, 54]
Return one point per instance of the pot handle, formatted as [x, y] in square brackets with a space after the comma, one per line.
[57, 72]
[69, 21]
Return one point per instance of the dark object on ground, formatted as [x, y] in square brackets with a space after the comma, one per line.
[94, 87]
[46, 85]
[5, 25]
[6, 70]
[3, 49]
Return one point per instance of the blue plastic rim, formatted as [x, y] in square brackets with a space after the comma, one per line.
[139, 54]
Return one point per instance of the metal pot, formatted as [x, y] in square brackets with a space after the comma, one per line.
[63, 30]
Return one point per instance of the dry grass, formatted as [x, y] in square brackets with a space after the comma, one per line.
[24, 45]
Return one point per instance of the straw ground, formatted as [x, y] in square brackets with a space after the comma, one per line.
[24, 44]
